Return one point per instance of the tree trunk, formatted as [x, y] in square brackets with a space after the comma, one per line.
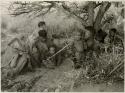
[91, 13]
[103, 8]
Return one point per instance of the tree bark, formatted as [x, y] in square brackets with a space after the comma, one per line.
[91, 13]
[103, 8]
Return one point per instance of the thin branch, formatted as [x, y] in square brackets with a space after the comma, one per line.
[68, 10]
[44, 12]
[30, 7]
[19, 13]
[97, 5]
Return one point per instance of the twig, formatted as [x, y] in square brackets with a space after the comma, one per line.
[58, 51]
[115, 68]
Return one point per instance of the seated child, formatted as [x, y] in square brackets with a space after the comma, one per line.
[41, 46]
[51, 60]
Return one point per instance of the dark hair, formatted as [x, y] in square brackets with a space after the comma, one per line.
[100, 31]
[42, 33]
[41, 23]
[113, 29]
[55, 36]
[100, 35]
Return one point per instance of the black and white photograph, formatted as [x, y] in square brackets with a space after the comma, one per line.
[62, 46]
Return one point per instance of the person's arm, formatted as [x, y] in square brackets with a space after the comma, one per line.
[34, 46]
[13, 40]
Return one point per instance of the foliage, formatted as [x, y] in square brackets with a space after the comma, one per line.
[74, 9]
[98, 67]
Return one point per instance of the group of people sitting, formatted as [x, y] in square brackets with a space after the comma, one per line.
[35, 51]
[43, 48]
[39, 50]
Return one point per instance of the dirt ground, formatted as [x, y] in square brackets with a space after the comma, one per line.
[61, 79]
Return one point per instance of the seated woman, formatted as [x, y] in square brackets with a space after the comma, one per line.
[20, 48]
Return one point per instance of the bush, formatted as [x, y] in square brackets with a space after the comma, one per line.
[107, 66]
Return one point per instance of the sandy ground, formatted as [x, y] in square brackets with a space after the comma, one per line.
[62, 79]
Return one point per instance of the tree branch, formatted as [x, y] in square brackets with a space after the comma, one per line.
[45, 11]
[19, 13]
[73, 13]
[104, 7]
[31, 7]
[91, 13]
[96, 5]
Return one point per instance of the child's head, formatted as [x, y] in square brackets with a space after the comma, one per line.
[42, 25]
[42, 33]
[52, 49]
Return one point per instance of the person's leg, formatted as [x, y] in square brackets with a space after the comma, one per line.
[35, 60]
[82, 59]
[77, 60]
[59, 60]
[20, 65]
[30, 65]
[13, 62]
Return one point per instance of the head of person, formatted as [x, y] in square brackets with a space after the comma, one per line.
[42, 33]
[52, 49]
[42, 25]
[100, 35]
[112, 32]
